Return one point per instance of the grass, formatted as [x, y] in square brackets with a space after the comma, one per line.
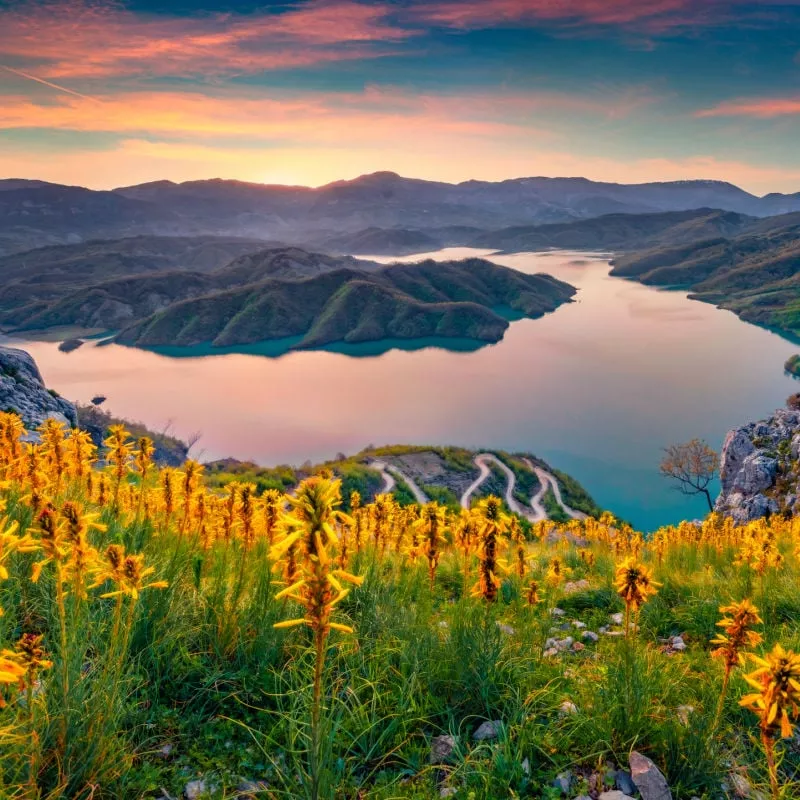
[191, 681]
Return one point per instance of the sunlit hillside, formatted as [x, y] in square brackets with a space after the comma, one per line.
[164, 638]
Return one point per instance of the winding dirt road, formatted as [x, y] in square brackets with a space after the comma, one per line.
[481, 461]
[537, 512]
[388, 473]
[546, 479]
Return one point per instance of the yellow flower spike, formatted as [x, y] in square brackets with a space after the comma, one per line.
[289, 623]
[290, 589]
[343, 628]
[775, 702]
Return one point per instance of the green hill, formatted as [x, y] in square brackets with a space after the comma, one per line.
[466, 299]
[755, 274]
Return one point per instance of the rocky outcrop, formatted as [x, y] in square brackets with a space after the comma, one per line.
[22, 390]
[759, 468]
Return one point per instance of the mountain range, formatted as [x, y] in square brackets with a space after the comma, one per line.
[35, 213]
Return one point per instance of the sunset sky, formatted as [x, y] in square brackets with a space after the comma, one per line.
[104, 94]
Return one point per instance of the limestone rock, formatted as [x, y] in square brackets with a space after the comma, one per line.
[22, 390]
[652, 785]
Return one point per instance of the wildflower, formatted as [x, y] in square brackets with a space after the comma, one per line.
[493, 524]
[738, 635]
[532, 595]
[119, 446]
[634, 584]
[128, 572]
[319, 587]
[737, 625]
[29, 654]
[776, 701]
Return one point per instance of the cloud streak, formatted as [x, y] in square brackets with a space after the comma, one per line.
[78, 39]
[344, 117]
[759, 108]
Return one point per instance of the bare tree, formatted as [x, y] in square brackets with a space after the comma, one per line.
[693, 465]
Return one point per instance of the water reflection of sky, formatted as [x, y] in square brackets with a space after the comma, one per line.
[598, 388]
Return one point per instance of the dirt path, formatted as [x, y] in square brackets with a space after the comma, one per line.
[549, 481]
[482, 463]
[389, 472]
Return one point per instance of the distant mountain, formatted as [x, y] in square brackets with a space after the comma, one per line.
[616, 231]
[756, 273]
[34, 213]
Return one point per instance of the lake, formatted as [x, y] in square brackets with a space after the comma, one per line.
[597, 388]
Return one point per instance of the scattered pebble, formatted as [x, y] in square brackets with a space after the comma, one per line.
[568, 708]
[442, 748]
[490, 729]
[590, 636]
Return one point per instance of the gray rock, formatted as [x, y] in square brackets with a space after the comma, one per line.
[563, 782]
[442, 748]
[614, 794]
[251, 789]
[756, 474]
[568, 707]
[557, 612]
[490, 729]
[652, 785]
[507, 629]
[22, 390]
[624, 782]
[195, 789]
[590, 636]
[736, 447]
[617, 618]
[564, 644]
[448, 791]
[578, 624]
[677, 643]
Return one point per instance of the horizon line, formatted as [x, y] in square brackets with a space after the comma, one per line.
[391, 173]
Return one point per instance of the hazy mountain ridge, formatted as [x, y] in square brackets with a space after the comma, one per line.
[756, 274]
[34, 213]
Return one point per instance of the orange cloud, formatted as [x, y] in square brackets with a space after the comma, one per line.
[762, 108]
[375, 112]
[79, 39]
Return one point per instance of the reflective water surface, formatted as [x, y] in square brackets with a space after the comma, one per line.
[597, 388]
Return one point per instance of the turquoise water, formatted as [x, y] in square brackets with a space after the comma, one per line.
[597, 388]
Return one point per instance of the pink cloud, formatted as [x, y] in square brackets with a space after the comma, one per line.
[311, 116]
[647, 16]
[760, 108]
[79, 39]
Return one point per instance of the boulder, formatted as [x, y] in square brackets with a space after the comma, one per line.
[756, 474]
[736, 447]
[22, 390]
[650, 782]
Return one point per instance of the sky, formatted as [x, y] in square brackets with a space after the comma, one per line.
[104, 93]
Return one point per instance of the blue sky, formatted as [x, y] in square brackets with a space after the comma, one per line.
[104, 94]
